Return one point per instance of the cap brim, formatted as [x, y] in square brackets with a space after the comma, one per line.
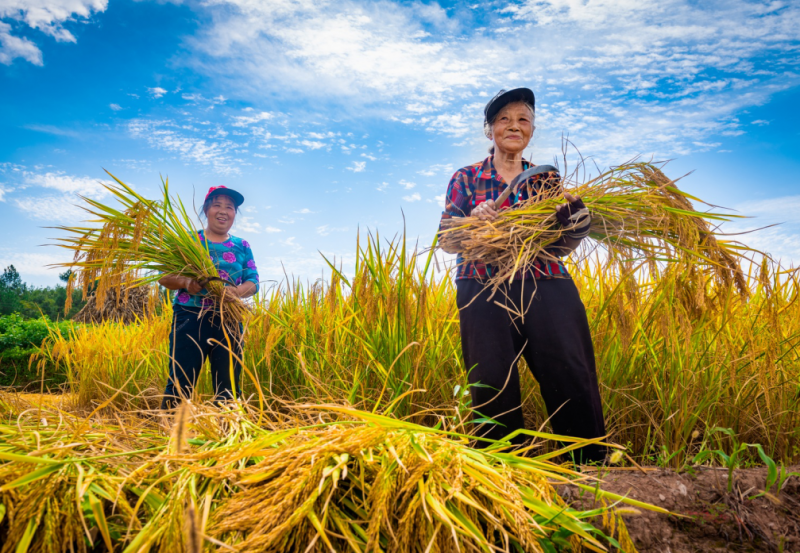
[237, 198]
[515, 95]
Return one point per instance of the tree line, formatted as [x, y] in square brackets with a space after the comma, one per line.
[31, 302]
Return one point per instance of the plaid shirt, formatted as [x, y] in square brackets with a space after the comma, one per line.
[478, 182]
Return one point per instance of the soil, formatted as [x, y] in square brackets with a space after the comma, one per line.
[706, 517]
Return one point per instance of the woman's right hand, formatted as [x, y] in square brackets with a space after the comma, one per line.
[192, 286]
[485, 211]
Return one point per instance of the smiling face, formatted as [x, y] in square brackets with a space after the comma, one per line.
[512, 128]
[221, 212]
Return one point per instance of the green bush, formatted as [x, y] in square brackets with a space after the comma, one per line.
[19, 338]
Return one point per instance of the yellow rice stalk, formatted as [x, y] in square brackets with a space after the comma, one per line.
[138, 242]
[359, 482]
[637, 212]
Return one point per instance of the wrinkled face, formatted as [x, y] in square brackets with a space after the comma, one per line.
[221, 214]
[512, 128]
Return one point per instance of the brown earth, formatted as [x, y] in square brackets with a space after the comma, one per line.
[713, 520]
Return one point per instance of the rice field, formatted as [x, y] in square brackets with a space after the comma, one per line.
[677, 352]
[353, 435]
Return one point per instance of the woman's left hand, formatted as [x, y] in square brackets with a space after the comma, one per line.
[231, 293]
[565, 211]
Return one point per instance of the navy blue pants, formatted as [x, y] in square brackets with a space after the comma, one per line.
[555, 341]
[194, 337]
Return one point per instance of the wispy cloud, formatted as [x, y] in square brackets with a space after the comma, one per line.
[357, 167]
[245, 120]
[621, 77]
[325, 230]
[415, 197]
[156, 92]
[171, 137]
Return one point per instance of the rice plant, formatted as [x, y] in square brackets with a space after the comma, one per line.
[136, 243]
[637, 211]
[307, 478]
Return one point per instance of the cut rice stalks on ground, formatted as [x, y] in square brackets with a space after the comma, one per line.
[219, 482]
[138, 242]
[637, 212]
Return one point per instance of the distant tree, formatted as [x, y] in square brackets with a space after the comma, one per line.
[32, 302]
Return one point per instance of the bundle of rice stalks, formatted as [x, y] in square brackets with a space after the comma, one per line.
[140, 304]
[220, 481]
[637, 212]
[138, 243]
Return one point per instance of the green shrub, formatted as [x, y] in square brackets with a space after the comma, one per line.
[19, 338]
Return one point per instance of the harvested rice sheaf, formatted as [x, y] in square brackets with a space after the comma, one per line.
[221, 482]
[637, 212]
[134, 244]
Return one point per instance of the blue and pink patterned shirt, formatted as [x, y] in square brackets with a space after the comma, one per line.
[234, 261]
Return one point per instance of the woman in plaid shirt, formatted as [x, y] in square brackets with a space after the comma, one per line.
[553, 336]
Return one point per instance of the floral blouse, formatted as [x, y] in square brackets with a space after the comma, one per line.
[234, 261]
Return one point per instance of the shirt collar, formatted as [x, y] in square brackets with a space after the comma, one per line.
[490, 173]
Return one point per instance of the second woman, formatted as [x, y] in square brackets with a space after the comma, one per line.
[197, 332]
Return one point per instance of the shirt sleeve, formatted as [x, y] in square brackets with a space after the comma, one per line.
[249, 269]
[456, 199]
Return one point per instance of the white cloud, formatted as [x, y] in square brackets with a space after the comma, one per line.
[156, 92]
[53, 209]
[245, 120]
[3, 192]
[47, 16]
[170, 137]
[325, 230]
[33, 263]
[115, 107]
[246, 224]
[271, 230]
[314, 145]
[12, 47]
[621, 77]
[407, 185]
[68, 184]
[415, 197]
[358, 166]
[304, 211]
[443, 169]
[383, 186]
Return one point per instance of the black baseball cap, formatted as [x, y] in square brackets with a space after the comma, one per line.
[505, 97]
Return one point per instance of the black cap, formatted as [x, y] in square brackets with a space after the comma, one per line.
[221, 190]
[505, 97]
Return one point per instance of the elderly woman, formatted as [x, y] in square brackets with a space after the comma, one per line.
[553, 336]
[197, 331]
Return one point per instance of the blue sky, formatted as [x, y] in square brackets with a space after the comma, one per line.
[335, 116]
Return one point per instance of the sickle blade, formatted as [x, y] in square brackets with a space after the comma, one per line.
[532, 172]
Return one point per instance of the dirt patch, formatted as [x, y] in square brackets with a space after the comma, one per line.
[714, 520]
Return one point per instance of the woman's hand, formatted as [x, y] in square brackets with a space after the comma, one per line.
[485, 211]
[192, 286]
[564, 212]
[176, 282]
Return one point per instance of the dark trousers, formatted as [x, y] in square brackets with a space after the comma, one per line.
[193, 338]
[554, 338]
